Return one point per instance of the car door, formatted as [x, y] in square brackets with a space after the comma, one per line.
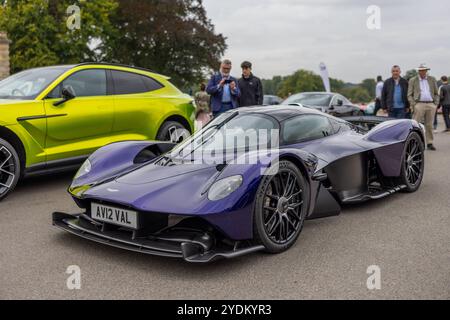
[79, 126]
[137, 109]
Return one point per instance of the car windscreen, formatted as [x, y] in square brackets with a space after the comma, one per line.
[27, 85]
[244, 132]
[310, 99]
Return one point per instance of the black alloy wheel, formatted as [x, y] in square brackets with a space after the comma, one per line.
[280, 208]
[413, 162]
[9, 168]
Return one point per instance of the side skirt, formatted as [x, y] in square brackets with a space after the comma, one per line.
[57, 166]
[373, 195]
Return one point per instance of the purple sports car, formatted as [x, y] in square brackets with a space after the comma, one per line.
[245, 182]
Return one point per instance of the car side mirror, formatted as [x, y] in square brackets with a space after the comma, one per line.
[67, 94]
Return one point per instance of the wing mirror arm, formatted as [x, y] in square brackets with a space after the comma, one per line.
[67, 94]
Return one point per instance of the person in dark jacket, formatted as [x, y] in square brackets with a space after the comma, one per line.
[394, 96]
[436, 122]
[223, 89]
[250, 87]
[445, 101]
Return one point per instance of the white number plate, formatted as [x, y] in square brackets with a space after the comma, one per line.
[117, 216]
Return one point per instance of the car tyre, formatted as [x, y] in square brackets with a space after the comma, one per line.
[10, 169]
[280, 208]
[413, 163]
[172, 131]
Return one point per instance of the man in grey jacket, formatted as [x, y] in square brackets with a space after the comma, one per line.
[445, 101]
[423, 96]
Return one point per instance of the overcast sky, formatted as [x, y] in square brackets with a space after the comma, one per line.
[281, 36]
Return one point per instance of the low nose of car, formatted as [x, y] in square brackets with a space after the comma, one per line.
[155, 172]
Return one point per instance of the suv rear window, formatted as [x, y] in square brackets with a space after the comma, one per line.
[131, 83]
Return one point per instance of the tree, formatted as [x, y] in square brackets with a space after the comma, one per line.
[356, 94]
[411, 74]
[172, 37]
[300, 81]
[272, 86]
[39, 34]
[336, 85]
[369, 85]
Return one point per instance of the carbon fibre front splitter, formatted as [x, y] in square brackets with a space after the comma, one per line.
[190, 248]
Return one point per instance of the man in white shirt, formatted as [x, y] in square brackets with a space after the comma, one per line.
[423, 96]
[378, 92]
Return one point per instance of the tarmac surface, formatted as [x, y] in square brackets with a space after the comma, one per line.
[406, 235]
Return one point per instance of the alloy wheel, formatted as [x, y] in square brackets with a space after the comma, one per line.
[413, 162]
[282, 211]
[7, 170]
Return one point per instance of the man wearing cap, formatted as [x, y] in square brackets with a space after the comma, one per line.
[250, 87]
[423, 96]
[223, 89]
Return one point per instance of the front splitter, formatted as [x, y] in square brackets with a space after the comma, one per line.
[81, 226]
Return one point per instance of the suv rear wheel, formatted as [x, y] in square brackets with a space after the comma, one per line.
[9, 168]
[172, 131]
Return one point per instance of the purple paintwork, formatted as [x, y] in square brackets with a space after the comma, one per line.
[182, 189]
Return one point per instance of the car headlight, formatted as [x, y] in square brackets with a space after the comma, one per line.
[224, 187]
[84, 169]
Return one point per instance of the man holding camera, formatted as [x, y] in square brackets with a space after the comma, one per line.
[223, 89]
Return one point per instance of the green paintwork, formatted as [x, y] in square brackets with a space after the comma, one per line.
[92, 122]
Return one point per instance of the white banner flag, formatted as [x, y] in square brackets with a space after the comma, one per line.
[325, 77]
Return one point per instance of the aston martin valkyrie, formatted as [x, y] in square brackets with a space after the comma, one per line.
[244, 183]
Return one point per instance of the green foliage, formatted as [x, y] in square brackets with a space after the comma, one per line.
[300, 81]
[306, 81]
[272, 86]
[39, 34]
[337, 85]
[411, 74]
[170, 37]
[369, 85]
[356, 94]
[26, 22]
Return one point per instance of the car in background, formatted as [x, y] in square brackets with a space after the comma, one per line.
[270, 100]
[331, 103]
[53, 118]
[368, 109]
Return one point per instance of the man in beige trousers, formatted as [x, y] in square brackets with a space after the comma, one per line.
[423, 97]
